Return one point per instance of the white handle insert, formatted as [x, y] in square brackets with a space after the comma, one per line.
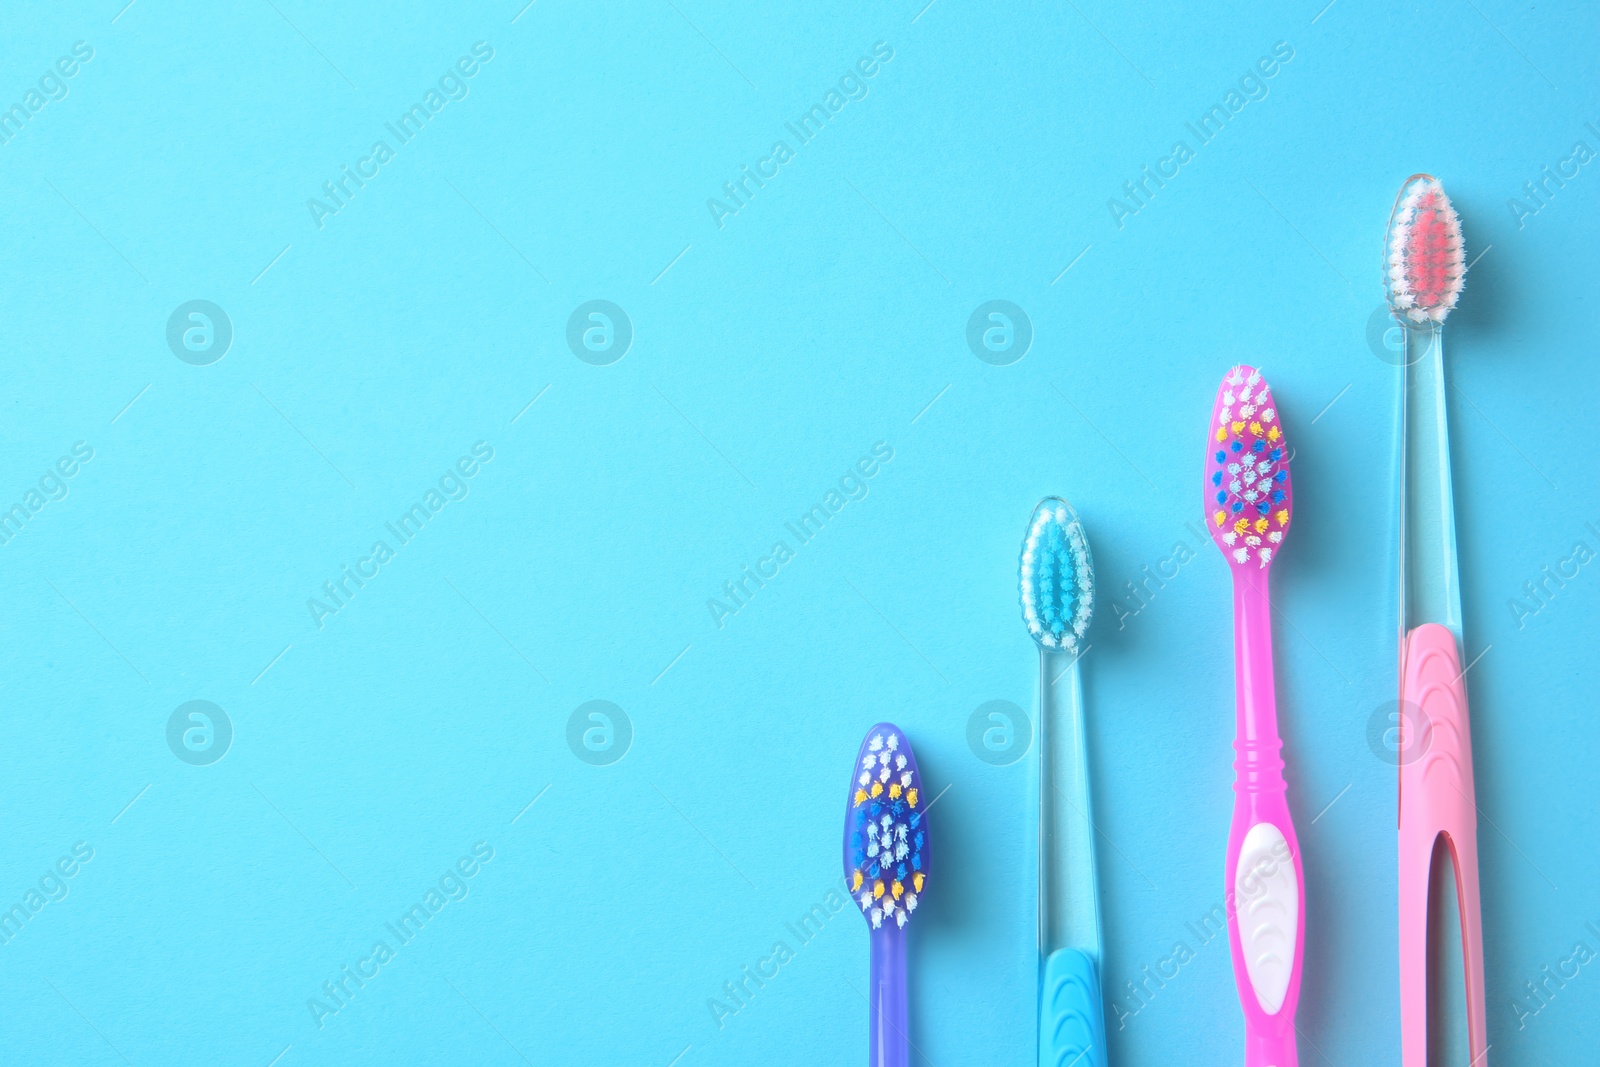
[1267, 901]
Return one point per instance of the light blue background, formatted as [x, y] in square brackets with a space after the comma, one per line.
[769, 355]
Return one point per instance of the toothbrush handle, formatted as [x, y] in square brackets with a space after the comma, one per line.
[1266, 886]
[890, 1032]
[1072, 1022]
[1436, 799]
[1265, 926]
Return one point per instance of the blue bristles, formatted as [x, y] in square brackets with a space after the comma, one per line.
[885, 853]
[1056, 577]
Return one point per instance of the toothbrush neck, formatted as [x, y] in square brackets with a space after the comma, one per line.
[1256, 740]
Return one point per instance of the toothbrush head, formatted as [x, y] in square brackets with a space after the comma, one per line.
[1424, 259]
[1247, 491]
[885, 831]
[1056, 578]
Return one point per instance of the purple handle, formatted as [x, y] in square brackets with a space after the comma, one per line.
[891, 1042]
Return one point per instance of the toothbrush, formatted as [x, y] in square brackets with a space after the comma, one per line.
[1424, 262]
[1056, 577]
[1248, 504]
[886, 867]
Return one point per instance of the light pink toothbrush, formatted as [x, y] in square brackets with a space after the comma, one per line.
[1248, 501]
[1424, 265]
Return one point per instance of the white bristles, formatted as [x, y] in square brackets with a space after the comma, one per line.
[1064, 592]
[885, 836]
[1432, 306]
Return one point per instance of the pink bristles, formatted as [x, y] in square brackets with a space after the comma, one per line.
[1424, 257]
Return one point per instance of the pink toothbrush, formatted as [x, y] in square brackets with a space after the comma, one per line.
[1248, 501]
[1424, 264]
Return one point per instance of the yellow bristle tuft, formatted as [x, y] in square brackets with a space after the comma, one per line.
[1241, 525]
[1238, 427]
[911, 797]
[897, 889]
[1261, 526]
[861, 794]
[1221, 517]
[877, 890]
[916, 881]
[1273, 434]
[856, 884]
[877, 788]
[1283, 517]
[1255, 428]
[1222, 433]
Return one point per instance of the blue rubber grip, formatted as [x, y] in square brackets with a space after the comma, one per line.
[1072, 1026]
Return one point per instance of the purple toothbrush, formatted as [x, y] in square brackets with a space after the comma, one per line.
[886, 866]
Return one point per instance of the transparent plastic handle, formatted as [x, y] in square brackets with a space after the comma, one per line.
[891, 1043]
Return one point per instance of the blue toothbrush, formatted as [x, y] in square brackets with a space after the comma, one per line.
[1057, 586]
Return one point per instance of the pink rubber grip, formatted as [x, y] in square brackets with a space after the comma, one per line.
[1266, 910]
[1436, 798]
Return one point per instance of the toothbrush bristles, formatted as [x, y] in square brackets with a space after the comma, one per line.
[1424, 257]
[1056, 578]
[885, 847]
[1248, 494]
